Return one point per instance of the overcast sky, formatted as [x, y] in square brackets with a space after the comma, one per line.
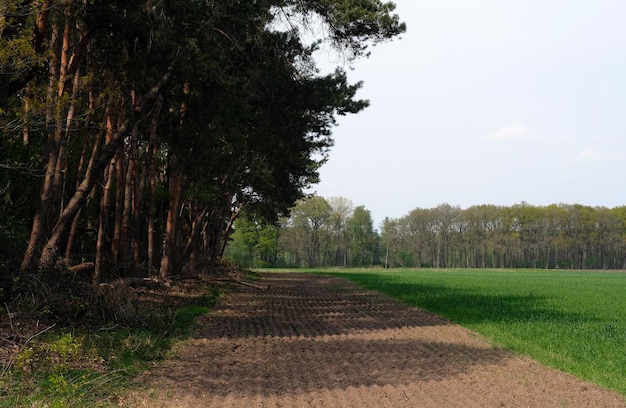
[488, 102]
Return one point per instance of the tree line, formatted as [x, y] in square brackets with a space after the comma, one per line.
[318, 232]
[332, 232]
[132, 134]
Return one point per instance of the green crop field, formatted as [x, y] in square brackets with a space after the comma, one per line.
[573, 321]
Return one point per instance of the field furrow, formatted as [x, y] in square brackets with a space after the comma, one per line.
[316, 341]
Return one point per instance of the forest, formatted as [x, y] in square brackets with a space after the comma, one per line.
[132, 134]
[333, 232]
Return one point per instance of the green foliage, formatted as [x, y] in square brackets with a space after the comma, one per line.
[318, 232]
[364, 239]
[355, 24]
[489, 236]
[573, 321]
[88, 367]
[254, 243]
[54, 370]
[17, 54]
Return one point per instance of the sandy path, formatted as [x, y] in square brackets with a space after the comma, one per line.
[313, 341]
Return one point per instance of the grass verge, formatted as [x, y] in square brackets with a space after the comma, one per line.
[90, 365]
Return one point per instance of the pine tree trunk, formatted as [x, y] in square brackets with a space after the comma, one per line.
[40, 225]
[128, 240]
[62, 124]
[169, 254]
[71, 239]
[116, 245]
[168, 257]
[151, 154]
[103, 225]
[105, 207]
[94, 170]
[26, 128]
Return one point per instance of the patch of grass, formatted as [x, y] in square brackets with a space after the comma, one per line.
[91, 366]
[573, 321]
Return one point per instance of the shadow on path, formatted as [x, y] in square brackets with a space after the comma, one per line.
[311, 332]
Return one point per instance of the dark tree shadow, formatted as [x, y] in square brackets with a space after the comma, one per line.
[312, 332]
[469, 305]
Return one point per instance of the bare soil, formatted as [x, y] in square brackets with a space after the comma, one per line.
[315, 341]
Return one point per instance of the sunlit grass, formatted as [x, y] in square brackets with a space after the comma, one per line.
[573, 321]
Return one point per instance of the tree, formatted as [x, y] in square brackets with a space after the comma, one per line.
[341, 211]
[163, 121]
[480, 229]
[391, 239]
[446, 224]
[363, 238]
[254, 243]
[310, 224]
[421, 235]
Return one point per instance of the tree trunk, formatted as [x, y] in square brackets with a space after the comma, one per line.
[103, 224]
[168, 257]
[62, 132]
[39, 228]
[151, 154]
[62, 66]
[26, 128]
[117, 244]
[94, 169]
[105, 204]
[169, 254]
[191, 247]
[95, 148]
[126, 242]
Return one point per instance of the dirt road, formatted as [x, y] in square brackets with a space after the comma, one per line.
[314, 341]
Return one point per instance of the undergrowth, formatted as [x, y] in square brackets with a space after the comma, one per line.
[90, 362]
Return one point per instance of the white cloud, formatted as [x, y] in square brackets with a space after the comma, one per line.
[594, 155]
[510, 132]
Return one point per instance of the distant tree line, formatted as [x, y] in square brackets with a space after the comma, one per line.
[332, 232]
[132, 134]
[521, 236]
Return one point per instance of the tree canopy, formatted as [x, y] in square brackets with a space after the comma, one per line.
[135, 133]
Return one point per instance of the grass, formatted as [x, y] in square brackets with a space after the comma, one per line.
[573, 321]
[93, 365]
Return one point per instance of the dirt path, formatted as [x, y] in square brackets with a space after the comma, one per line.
[313, 341]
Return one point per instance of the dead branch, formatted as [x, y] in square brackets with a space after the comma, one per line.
[149, 283]
[239, 282]
[85, 267]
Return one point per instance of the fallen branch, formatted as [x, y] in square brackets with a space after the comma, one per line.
[149, 283]
[244, 283]
[28, 340]
[83, 268]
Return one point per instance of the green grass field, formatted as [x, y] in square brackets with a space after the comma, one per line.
[573, 321]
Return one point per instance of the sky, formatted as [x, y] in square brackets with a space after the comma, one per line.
[487, 102]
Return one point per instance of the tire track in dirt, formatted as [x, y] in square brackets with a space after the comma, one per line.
[315, 341]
